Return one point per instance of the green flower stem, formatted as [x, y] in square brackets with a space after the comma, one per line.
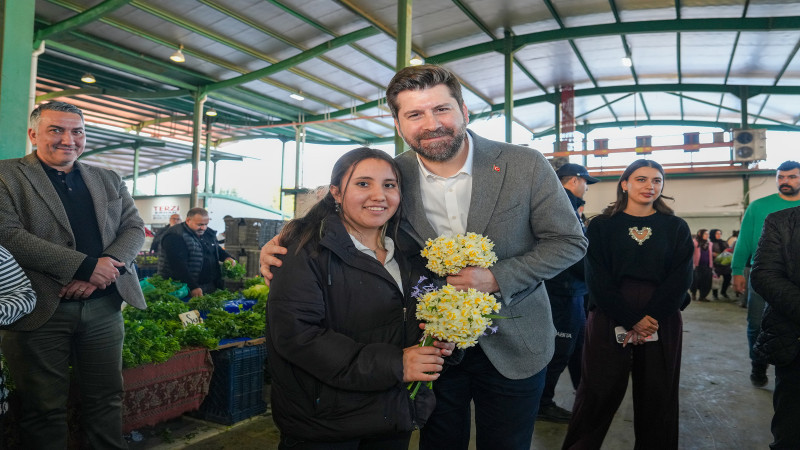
[427, 342]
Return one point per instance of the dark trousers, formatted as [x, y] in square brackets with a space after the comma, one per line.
[505, 409]
[568, 318]
[702, 280]
[786, 401]
[576, 359]
[654, 368]
[395, 441]
[87, 335]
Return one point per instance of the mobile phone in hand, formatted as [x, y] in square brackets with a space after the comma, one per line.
[620, 333]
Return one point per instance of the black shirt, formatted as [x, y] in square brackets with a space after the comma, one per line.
[78, 204]
[662, 256]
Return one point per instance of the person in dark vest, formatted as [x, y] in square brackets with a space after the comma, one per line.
[566, 291]
[191, 254]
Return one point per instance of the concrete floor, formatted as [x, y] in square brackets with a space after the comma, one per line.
[720, 409]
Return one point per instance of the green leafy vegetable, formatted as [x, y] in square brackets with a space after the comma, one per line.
[146, 341]
[158, 311]
[257, 292]
[256, 280]
[233, 272]
[197, 336]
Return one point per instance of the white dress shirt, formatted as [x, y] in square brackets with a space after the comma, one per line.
[390, 263]
[446, 200]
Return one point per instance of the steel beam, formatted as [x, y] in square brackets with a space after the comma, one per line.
[16, 35]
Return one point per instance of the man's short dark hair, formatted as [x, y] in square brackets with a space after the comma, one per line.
[788, 165]
[36, 115]
[417, 78]
[197, 212]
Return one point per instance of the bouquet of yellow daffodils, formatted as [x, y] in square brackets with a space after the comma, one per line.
[451, 315]
[447, 254]
[457, 316]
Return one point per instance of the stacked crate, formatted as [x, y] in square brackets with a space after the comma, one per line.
[244, 238]
[237, 386]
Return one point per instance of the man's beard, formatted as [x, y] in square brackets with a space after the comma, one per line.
[791, 190]
[442, 150]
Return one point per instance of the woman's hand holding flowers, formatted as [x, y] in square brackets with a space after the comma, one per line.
[421, 363]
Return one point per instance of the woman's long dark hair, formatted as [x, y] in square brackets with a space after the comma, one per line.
[701, 241]
[310, 227]
[622, 197]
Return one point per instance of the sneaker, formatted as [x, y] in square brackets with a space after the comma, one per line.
[554, 413]
[758, 376]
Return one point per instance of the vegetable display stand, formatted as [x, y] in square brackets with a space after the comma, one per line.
[237, 387]
[155, 393]
[146, 270]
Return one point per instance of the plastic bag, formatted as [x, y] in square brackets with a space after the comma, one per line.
[716, 282]
[724, 258]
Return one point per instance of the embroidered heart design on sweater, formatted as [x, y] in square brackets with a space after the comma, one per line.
[640, 234]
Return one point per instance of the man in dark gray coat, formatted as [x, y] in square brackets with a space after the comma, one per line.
[75, 231]
[776, 277]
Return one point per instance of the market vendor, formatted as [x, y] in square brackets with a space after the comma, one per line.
[190, 253]
[173, 220]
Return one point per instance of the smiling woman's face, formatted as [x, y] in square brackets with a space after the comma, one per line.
[371, 196]
[644, 185]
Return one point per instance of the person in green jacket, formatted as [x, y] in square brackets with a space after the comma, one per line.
[788, 182]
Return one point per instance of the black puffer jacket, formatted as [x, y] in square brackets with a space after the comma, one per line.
[776, 277]
[337, 325]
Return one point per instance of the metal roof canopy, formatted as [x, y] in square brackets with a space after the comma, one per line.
[695, 62]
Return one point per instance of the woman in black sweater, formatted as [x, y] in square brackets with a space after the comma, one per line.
[638, 269]
[341, 329]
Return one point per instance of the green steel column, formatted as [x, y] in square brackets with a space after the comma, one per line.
[743, 96]
[283, 166]
[403, 52]
[16, 38]
[585, 142]
[199, 100]
[135, 168]
[208, 155]
[557, 122]
[508, 64]
[299, 140]
[745, 191]
[214, 185]
[32, 87]
[155, 192]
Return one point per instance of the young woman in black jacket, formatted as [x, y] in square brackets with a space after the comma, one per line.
[341, 329]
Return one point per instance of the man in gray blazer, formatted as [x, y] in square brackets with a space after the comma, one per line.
[457, 182]
[454, 182]
[75, 231]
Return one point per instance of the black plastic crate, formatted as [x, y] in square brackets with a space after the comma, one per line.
[237, 386]
[249, 256]
[269, 229]
[250, 233]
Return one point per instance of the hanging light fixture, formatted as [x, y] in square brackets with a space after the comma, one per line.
[627, 61]
[88, 78]
[178, 55]
[416, 61]
[297, 97]
[211, 112]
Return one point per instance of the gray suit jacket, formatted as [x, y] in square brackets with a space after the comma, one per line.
[518, 202]
[34, 227]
